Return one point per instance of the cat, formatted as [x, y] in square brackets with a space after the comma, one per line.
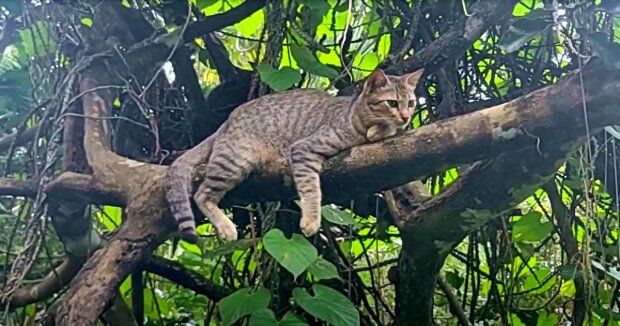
[302, 126]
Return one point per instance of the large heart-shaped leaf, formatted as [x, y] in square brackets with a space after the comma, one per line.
[306, 61]
[294, 254]
[323, 269]
[278, 79]
[530, 228]
[241, 303]
[336, 216]
[328, 305]
[266, 317]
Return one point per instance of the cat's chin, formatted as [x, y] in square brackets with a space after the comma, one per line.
[401, 125]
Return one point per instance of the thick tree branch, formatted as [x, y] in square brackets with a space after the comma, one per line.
[178, 274]
[76, 187]
[527, 122]
[113, 171]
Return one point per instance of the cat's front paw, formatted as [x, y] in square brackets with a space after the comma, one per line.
[309, 226]
[227, 231]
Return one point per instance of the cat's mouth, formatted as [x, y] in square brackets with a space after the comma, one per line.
[401, 122]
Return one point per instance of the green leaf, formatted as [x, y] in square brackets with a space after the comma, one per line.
[454, 279]
[278, 79]
[229, 247]
[86, 22]
[522, 31]
[547, 319]
[569, 271]
[568, 289]
[295, 254]
[241, 303]
[323, 269]
[308, 62]
[529, 227]
[249, 26]
[266, 317]
[605, 314]
[539, 282]
[313, 12]
[328, 305]
[320, 5]
[609, 52]
[36, 40]
[336, 216]
[202, 4]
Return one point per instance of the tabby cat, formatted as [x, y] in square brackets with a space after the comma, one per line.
[302, 126]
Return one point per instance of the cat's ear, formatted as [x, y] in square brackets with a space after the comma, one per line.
[376, 80]
[413, 78]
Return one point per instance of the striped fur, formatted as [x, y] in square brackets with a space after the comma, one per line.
[303, 127]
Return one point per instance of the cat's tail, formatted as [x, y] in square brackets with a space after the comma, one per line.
[178, 186]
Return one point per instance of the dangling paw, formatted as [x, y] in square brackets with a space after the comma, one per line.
[309, 226]
[227, 231]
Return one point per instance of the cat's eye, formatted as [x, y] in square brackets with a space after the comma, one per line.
[411, 103]
[392, 103]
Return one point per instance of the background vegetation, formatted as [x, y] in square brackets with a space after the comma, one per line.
[175, 69]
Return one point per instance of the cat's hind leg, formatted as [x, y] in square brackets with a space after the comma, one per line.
[225, 170]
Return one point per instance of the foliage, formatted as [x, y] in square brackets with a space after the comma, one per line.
[517, 269]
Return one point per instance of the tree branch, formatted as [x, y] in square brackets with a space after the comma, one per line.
[564, 220]
[484, 14]
[53, 282]
[529, 121]
[453, 301]
[19, 138]
[12, 187]
[452, 43]
[219, 21]
[178, 274]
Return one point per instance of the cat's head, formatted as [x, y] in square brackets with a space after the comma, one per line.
[390, 99]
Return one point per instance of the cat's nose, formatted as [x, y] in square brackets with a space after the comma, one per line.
[405, 115]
